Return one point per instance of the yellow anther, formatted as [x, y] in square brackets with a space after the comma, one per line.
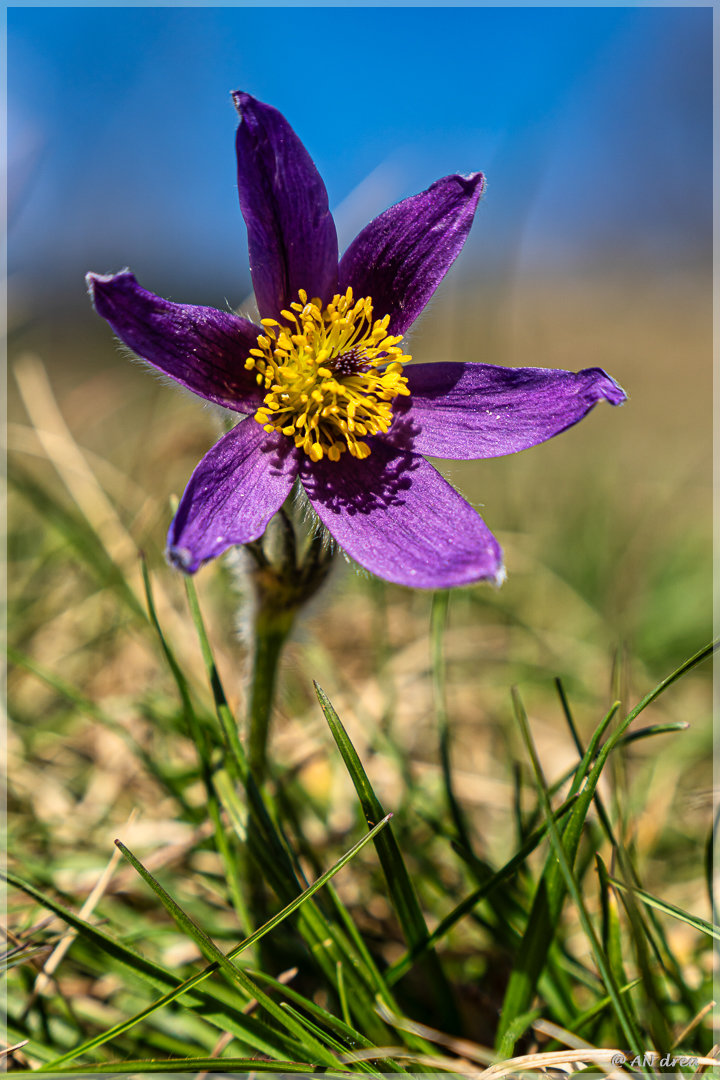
[330, 374]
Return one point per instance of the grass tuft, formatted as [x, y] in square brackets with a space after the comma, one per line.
[543, 894]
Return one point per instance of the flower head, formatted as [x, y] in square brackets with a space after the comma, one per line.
[333, 380]
[326, 381]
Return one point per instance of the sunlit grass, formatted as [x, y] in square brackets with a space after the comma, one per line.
[606, 535]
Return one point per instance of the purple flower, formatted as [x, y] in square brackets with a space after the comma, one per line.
[325, 381]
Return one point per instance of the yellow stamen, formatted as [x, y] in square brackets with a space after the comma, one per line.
[331, 375]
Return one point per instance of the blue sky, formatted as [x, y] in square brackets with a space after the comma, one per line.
[593, 126]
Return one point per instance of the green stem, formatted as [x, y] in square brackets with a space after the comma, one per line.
[270, 635]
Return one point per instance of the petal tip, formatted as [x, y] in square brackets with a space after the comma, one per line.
[473, 185]
[93, 280]
[473, 180]
[500, 577]
[241, 100]
[493, 570]
[615, 393]
[97, 284]
[182, 559]
[606, 387]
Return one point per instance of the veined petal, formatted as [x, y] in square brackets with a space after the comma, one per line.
[394, 514]
[291, 232]
[200, 347]
[401, 257]
[232, 494]
[482, 411]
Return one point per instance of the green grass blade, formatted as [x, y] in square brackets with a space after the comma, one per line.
[202, 745]
[194, 1064]
[289, 909]
[219, 961]
[345, 1031]
[164, 978]
[263, 836]
[213, 1006]
[361, 957]
[598, 1007]
[649, 967]
[315, 1030]
[146, 969]
[404, 963]
[359, 964]
[342, 993]
[324, 937]
[642, 928]
[438, 623]
[400, 887]
[551, 889]
[325, 940]
[557, 840]
[611, 929]
[685, 667]
[701, 925]
[224, 713]
[254, 824]
[654, 729]
[547, 904]
[593, 748]
[631, 737]
[197, 733]
[249, 1029]
[612, 936]
[710, 849]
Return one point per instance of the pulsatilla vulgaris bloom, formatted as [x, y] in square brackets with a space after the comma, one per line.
[326, 382]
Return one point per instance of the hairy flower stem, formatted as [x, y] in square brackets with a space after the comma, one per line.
[286, 571]
[270, 635]
[287, 566]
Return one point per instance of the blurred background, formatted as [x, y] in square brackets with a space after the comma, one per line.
[593, 127]
[591, 247]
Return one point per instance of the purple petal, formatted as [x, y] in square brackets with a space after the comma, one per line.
[482, 411]
[200, 347]
[291, 233]
[232, 494]
[395, 515]
[401, 257]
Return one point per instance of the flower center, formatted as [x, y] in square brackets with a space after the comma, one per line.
[331, 375]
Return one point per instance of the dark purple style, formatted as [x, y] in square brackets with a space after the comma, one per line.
[391, 511]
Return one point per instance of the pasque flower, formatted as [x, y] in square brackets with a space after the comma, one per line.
[326, 381]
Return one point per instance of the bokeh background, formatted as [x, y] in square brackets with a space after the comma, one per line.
[592, 125]
[591, 247]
